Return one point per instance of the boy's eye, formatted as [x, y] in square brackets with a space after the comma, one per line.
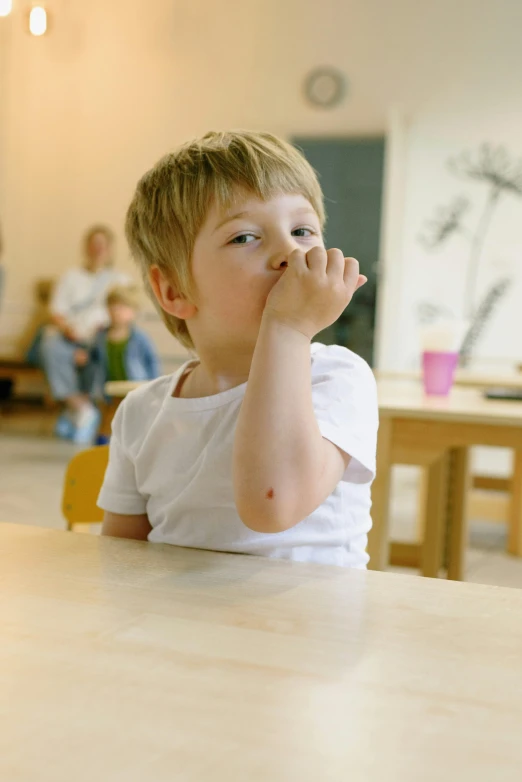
[243, 239]
[247, 238]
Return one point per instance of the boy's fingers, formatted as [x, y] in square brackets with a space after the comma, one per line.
[361, 281]
[297, 259]
[335, 259]
[351, 272]
[317, 259]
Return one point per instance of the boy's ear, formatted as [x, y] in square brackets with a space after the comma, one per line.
[168, 296]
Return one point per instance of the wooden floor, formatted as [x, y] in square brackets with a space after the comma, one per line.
[32, 469]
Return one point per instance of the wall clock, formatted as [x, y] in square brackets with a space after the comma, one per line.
[325, 87]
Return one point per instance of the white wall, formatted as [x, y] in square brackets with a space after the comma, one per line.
[115, 84]
[444, 128]
[480, 101]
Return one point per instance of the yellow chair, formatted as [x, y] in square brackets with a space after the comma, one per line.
[82, 485]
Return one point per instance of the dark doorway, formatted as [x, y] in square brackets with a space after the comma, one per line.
[351, 175]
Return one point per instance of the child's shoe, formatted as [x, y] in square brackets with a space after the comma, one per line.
[87, 425]
[65, 427]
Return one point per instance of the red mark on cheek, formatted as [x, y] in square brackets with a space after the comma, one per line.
[270, 494]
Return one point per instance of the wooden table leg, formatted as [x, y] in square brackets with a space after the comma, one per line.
[435, 517]
[108, 412]
[515, 507]
[378, 539]
[458, 495]
[422, 502]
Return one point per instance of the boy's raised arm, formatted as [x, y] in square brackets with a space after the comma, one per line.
[283, 467]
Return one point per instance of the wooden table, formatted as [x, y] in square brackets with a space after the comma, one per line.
[463, 377]
[115, 391]
[126, 661]
[471, 379]
[430, 431]
[120, 388]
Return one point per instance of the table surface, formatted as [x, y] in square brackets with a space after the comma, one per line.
[406, 399]
[120, 388]
[132, 661]
[463, 377]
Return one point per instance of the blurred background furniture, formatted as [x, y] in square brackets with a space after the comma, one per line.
[82, 484]
[489, 493]
[436, 433]
[22, 382]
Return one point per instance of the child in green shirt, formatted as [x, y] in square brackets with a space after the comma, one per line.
[122, 351]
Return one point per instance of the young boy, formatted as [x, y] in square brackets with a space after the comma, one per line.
[122, 351]
[228, 234]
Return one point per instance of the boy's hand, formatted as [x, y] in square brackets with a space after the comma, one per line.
[81, 357]
[69, 333]
[314, 290]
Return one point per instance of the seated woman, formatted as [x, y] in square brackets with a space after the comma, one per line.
[78, 310]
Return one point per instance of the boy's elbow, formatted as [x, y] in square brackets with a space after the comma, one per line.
[269, 517]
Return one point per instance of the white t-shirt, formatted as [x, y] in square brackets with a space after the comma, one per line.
[80, 297]
[171, 458]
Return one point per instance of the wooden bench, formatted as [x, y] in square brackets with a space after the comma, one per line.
[26, 406]
[21, 375]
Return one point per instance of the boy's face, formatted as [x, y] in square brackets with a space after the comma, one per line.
[238, 257]
[121, 314]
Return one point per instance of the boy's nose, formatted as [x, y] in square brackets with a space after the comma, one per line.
[281, 262]
[279, 259]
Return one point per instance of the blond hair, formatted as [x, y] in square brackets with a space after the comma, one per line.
[172, 200]
[124, 294]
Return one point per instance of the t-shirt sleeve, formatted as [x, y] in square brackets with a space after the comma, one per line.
[344, 395]
[60, 303]
[119, 492]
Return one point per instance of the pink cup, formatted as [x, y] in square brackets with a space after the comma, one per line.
[439, 372]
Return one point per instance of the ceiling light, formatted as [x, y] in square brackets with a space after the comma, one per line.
[6, 6]
[37, 20]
